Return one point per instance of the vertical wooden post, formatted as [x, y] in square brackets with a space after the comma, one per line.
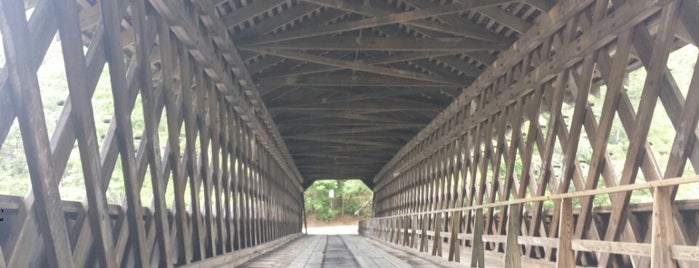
[406, 230]
[413, 235]
[454, 239]
[566, 256]
[423, 235]
[477, 250]
[662, 233]
[380, 228]
[437, 238]
[513, 256]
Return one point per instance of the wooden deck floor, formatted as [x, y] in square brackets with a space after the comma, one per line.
[345, 251]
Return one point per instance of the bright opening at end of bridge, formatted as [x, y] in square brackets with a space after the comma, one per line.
[334, 207]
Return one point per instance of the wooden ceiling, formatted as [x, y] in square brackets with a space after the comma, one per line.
[349, 82]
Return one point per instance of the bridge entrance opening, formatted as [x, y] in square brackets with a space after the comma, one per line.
[336, 206]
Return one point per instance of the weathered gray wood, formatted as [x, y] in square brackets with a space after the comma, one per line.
[566, 256]
[458, 29]
[373, 22]
[662, 234]
[477, 253]
[250, 11]
[513, 257]
[83, 123]
[356, 66]
[25, 95]
[353, 81]
[454, 45]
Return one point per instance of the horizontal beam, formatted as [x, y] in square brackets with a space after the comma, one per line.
[352, 81]
[396, 57]
[364, 108]
[345, 141]
[348, 131]
[455, 45]
[356, 65]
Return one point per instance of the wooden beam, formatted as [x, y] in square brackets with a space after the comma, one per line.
[360, 106]
[391, 18]
[467, 29]
[83, 123]
[268, 25]
[503, 17]
[346, 141]
[320, 68]
[347, 131]
[26, 99]
[454, 45]
[357, 66]
[352, 81]
[250, 11]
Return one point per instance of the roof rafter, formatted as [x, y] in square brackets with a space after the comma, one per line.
[250, 11]
[386, 19]
[460, 29]
[347, 141]
[353, 81]
[454, 45]
[355, 65]
[397, 57]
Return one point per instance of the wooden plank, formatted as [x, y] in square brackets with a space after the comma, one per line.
[662, 236]
[398, 44]
[83, 124]
[151, 138]
[357, 66]
[477, 254]
[354, 81]
[566, 256]
[111, 21]
[241, 256]
[189, 110]
[319, 68]
[27, 101]
[41, 28]
[169, 65]
[513, 256]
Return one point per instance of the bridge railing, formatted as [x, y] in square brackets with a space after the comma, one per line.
[429, 231]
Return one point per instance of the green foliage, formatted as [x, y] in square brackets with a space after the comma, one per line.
[350, 197]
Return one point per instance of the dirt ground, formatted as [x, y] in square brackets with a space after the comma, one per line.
[314, 221]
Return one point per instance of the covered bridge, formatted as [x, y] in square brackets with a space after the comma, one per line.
[492, 132]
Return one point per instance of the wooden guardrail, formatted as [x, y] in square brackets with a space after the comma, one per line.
[417, 229]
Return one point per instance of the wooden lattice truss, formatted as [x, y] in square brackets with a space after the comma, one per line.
[241, 184]
[481, 149]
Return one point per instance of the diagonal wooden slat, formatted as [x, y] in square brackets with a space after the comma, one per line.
[83, 122]
[25, 94]
[358, 66]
